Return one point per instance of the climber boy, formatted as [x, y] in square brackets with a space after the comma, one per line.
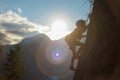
[73, 40]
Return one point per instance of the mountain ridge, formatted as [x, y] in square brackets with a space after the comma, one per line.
[39, 59]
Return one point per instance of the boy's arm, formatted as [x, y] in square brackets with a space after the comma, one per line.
[84, 36]
[77, 43]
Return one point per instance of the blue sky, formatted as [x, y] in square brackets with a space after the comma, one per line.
[42, 11]
[25, 18]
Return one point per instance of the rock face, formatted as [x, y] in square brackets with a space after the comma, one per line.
[100, 60]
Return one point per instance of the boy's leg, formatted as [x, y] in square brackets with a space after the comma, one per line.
[75, 55]
[73, 49]
[79, 43]
[81, 48]
[72, 62]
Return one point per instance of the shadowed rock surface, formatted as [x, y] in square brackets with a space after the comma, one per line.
[100, 60]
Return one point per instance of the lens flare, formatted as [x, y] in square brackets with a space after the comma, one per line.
[57, 54]
[53, 61]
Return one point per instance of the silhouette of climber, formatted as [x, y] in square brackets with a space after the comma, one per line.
[73, 40]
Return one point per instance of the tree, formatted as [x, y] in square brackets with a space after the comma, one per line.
[0, 50]
[13, 66]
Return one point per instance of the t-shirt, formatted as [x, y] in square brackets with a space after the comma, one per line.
[72, 37]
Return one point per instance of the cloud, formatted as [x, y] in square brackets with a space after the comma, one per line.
[13, 28]
[19, 10]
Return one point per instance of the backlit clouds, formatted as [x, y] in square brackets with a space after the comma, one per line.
[19, 10]
[13, 27]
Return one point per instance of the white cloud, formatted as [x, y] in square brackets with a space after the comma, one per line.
[19, 10]
[13, 28]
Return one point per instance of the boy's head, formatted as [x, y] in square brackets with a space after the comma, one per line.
[80, 23]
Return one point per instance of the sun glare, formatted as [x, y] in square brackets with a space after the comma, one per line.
[58, 29]
[58, 26]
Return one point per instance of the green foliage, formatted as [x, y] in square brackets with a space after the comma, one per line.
[0, 49]
[13, 66]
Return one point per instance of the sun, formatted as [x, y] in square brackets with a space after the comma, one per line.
[59, 25]
[58, 29]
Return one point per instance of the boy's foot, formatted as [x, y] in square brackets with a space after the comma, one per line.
[72, 68]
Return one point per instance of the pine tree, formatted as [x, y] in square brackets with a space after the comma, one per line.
[14, 66]
[0, 50]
